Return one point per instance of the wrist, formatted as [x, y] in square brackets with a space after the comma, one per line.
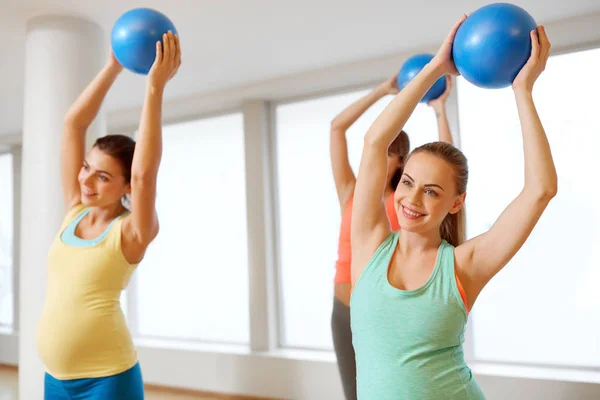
[434, 69]
[522, 93]
[439, 111]
[382, 90]
[155, 89]
[113, 67]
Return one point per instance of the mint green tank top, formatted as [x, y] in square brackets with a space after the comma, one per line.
[408, 343]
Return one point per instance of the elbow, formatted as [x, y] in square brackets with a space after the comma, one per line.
[336, 128]
[68, 121]
[551, 188]
[71, 122]
[544, 194]
[375, 140]
[551, 191]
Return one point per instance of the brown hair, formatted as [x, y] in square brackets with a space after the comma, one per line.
[120, 147]
[399, 147]
[453, 228]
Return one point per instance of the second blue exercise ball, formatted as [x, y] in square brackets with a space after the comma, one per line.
[492, 45]
[412, 67]
[134, 36]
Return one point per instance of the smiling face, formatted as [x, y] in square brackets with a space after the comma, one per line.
[427, 193]
[102, 180]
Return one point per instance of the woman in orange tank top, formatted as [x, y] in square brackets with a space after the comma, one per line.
[345, 181]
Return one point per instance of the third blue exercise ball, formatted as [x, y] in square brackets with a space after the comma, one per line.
[412, 67]
[134, 36]
[492, 45]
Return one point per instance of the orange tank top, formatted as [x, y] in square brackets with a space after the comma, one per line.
[342, 265]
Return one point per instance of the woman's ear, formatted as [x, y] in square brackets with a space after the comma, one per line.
[459, 203]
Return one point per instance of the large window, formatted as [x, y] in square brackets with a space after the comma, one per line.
[6, 240]
[309, 212]
[193, 282]
[544, 307]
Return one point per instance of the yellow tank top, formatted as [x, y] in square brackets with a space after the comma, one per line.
[82, 332]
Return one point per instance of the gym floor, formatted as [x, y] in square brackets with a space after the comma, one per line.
[9, 378]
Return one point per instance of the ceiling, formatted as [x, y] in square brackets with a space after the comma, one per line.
[229, 43]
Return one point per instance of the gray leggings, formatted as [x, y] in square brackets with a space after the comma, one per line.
[342, 343]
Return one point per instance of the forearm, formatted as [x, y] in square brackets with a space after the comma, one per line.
[148, 148]
[443, 126]
[338, 147]
[86, 107]
[391, 121]
[346, 118]
[540, 172]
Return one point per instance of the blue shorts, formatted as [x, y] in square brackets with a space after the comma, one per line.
[127, 385]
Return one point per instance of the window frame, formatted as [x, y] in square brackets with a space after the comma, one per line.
[500, 367]
[277, 207]
[131, 291]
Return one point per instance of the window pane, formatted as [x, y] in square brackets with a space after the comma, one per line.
[6, 240]
[193, 282]
[309, 212]
[546, 297]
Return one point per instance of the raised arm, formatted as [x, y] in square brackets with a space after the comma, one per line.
[77, 120]
[142, 224]
[480, 258]
[439, 106]
[370, 225]
[342, 172]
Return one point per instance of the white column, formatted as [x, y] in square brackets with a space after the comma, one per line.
[261, 232]
[62, 55]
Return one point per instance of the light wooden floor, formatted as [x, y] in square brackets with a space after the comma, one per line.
[9, 383]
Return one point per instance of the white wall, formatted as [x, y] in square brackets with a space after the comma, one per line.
[9, 349]
[306, 375]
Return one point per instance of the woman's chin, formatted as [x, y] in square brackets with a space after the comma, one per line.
[88, 200]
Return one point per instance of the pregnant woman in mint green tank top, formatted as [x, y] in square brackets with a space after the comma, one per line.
[408, 307]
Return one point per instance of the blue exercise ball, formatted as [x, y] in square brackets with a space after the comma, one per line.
[134, 36]
[412, 67]
[492, 45]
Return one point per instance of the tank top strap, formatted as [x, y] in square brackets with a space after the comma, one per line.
[114, 231]
[446, 260]
[75, 212]
[448, 277]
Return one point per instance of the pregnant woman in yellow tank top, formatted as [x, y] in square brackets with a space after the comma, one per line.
[82, 337]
